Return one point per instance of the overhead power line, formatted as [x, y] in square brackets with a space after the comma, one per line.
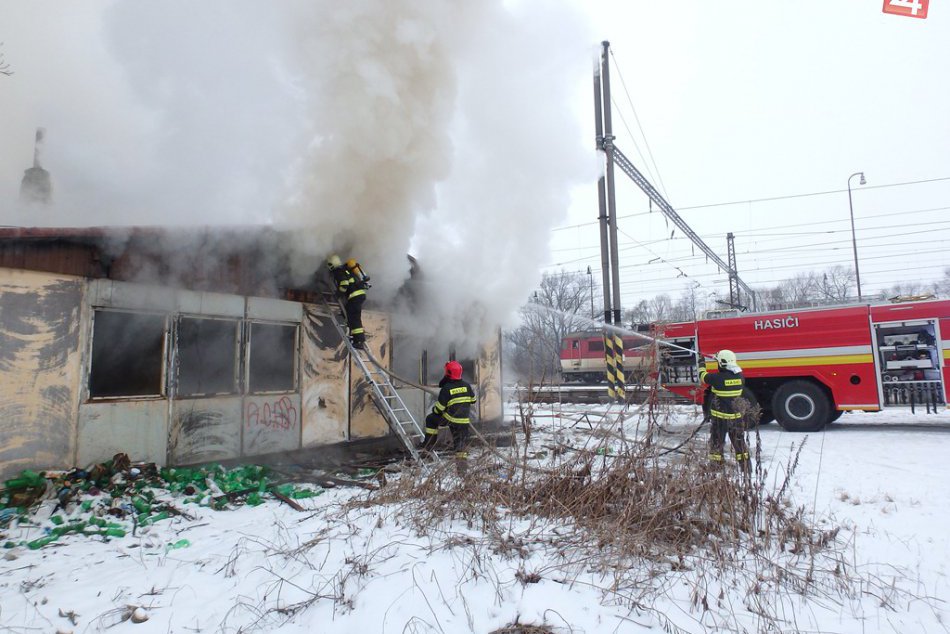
[772, 198]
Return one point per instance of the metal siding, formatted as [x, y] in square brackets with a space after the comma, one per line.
[60, 257]
[204, 430]
[911, 310]
[40, 369]
[365, 419]
[271, 424]
[488, 370]
[138, 428]
[324, 381]
[211, 304]
[128, 295]
[273, 309]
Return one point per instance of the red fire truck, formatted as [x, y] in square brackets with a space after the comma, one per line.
[805, 367]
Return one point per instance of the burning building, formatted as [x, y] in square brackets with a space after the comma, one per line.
[228, 360]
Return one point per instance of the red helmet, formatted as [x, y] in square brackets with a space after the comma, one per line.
[453, 370]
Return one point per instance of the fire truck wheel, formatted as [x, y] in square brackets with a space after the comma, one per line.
[801, 406]
[835, 415]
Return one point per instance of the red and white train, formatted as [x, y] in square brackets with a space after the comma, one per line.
[582, 357]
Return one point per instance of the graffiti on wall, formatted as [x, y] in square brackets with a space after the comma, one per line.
[279, 415]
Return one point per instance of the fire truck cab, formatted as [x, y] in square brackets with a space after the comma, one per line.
[805, 367]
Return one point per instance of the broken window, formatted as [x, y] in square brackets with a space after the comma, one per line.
[272, 358]
[128, 354]
[207, 356]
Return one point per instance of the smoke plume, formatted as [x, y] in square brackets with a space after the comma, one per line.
[373, 128]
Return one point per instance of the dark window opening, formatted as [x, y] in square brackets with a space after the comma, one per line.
[273, 358]
[595, 345]
[207, 356]
[128, 354]
[468, 369]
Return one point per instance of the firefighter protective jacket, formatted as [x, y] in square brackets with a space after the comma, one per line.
[726, 387]
[455, 401]
[347, 284]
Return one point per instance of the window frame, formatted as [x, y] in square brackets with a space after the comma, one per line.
[247, 357]
[163, 379]
[237, 385]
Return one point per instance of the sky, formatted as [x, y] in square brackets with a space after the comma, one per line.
[742, 101]
[374, 128]
[463, 134]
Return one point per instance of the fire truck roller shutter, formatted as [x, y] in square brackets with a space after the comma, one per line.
[802, 406]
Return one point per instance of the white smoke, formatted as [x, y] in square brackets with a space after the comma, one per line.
[372, 127]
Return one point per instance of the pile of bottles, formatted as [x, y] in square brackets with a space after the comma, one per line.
[116, 497]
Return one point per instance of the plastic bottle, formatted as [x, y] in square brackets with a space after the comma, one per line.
[42, 541]
[141, 505]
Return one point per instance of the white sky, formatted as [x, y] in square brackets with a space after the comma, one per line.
[738, 101]
[744, 100]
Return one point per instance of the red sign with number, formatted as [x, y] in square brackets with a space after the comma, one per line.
[910, 8]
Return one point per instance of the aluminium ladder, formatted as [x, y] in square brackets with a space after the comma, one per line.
[387, 399]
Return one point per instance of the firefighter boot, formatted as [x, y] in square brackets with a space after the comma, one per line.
[716, 463]
[428, 444]
[745, 466]
[461, 463]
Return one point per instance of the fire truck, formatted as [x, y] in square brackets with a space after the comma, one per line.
[805, 367]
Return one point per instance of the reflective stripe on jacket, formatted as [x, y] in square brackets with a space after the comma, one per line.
[455, 401]
[348, 284]
[726, 386]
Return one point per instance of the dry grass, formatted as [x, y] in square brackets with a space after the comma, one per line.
[631, 509]
[637, 515]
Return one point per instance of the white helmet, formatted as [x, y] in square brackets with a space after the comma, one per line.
[333, 262]
[726, 357]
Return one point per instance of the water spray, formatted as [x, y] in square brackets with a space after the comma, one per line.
[616, 329]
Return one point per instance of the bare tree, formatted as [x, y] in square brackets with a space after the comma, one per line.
[942, 286]
[559, 306]
[4, 66]
[836, 284]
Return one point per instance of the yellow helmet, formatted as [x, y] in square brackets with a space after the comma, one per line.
[333, 262]
[726, 357]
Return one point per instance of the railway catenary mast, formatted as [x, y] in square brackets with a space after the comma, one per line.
[605, 142]
[610, 258]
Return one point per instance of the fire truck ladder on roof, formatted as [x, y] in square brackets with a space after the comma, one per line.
[628, 168]
[384, 393]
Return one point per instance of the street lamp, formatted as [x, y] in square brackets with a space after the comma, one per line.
[590, 276]
[854, 242]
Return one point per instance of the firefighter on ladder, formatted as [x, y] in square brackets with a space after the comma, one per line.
[725, 409]
[452, 409]
[351, 284]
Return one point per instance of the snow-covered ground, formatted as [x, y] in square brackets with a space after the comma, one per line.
[884, 478]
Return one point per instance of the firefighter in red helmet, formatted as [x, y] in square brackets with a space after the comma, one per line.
[726, 408]
[451, 409]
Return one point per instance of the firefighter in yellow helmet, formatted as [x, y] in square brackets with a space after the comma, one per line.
[351, 287]
[725, 408]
